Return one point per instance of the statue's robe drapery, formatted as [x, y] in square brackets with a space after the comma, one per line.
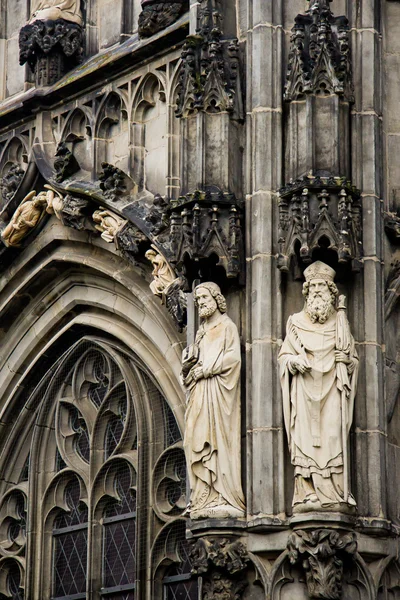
[313, 407]
[70, 10]
[212, 433]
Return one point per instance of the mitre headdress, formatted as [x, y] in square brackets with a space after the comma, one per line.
[319, 270]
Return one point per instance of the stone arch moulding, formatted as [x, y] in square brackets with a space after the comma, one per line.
[108, 297]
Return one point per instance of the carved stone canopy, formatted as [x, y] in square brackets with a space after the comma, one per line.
[210, 70]
[319, 59]
[320, 210]
[194, 231]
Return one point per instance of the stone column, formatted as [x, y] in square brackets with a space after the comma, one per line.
[264, 149]
[366, 118]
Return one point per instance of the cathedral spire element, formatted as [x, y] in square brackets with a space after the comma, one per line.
[319, 58]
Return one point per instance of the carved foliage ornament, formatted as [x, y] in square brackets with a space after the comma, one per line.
[316, 208]
[114, 183]
[209, 78]
[319, 58]
[65, 163]
[221, 562]
[321, 552]
[50, 48]
[157, 15]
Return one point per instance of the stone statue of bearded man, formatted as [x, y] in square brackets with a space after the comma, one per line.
[319, 366]
[211, 376]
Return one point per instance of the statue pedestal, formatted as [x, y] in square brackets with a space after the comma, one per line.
[51, 48]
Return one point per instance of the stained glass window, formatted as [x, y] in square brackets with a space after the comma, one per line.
[179, 583]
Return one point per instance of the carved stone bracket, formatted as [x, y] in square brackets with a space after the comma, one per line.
[76, 213]
[320, 211]
[321, 553]
[210, 70]
[114, 183]
[319, 57]
[65, 163]
[221, 562]
[157, 15]
[51, 48]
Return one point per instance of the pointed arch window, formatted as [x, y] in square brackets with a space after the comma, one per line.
[102, 476]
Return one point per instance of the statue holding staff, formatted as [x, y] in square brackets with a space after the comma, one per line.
[319, 366]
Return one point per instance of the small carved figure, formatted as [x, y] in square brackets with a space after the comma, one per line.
[162, 272]
[26, 217]
[65, 163]
[108, 224]
[51, 10]
[211, 376]
[319, 366]
[11, 182]
[55, 202]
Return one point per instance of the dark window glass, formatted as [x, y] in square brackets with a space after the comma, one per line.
[25, 470]
[179, 584]
[119, 559]
[70, 546]
[13, 583]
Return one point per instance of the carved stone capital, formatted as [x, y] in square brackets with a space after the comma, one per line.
[319, 58]
[157, 15]
[320, 210]
[221, 562]
[224, 553]
[51, 48]
[210, 70]
[321, 553]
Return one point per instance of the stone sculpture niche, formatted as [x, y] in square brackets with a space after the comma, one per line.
[211, 376]
[52, 42]
[319, 367]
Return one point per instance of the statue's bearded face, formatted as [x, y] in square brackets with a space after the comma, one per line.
[320, 301]
[206, 303]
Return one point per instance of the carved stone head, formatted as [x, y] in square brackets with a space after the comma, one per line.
[320, 291]
[208, 298]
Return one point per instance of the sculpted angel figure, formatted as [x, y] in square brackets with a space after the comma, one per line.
[211, 376]
[108, 223]
[319, 366]
[70, 10]
[26, 217]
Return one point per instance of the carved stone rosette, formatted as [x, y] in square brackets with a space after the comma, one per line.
[319, 58]
[221, 562]
[51, 48]
[316, 212]
[321, 553]
[210, 71]
[157, 15]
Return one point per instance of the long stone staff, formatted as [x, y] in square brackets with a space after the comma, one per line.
[343, 340]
